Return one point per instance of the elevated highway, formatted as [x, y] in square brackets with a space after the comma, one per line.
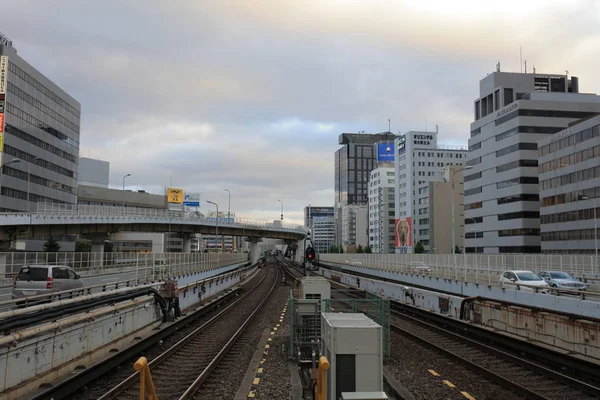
[55, 220]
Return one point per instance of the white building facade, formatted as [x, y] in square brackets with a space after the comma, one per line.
[382, 209]
[418, 160]
[323, 233]
[513, 113]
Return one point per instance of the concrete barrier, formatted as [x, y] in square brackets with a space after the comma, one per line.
[544, 325]
[46, 353]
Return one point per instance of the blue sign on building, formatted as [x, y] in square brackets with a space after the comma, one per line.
[385, 152]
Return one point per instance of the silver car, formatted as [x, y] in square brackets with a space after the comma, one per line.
[562, 280]
[34, 280]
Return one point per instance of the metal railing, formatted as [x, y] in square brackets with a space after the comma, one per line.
[476, 268]
[147, 266]
[82, 210]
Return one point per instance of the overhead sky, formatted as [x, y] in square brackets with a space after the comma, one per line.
[251, 95]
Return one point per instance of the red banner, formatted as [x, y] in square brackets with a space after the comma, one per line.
[1, 122]
[403, 232]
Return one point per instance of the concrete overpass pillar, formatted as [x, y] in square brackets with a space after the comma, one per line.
[254, 249]
[97, 256]
[187, 243]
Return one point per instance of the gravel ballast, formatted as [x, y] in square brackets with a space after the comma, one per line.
[268, 317]
[275, 381]
[411, 361]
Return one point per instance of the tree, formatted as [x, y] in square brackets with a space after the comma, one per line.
[368, 250]
[359, 249]
[333, 249]
[51, 245]
[457, 250]
[419, 248]
[108, 247]
[83, 246]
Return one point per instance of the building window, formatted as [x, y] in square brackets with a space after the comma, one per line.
[520, 249]
[519, 232]
[516, 147]
[474, 161]
[524, 180]
[519, 215]
[508, 96]
[475, 146]
[518, 197]
[517, 164]
[474, 206]
[472, 177]
[473, 235]
[473, 191]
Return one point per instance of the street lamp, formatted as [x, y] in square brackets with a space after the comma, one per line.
[595, 227]
[124, 189]
[228, 204]
[13, 161]
[282, 210]
[216, 225]
[29, 178]
[453, 233]
[464, 244]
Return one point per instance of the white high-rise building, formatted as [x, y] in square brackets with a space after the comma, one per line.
[382, 209]
[419, 160]
[513, 113]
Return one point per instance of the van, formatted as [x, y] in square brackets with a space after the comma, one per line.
[34, 280]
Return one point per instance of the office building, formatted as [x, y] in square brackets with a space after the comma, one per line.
[41, 124]
[354, 227]
[312, 212]
[354, 161]
[382, 209]
[440, 211]
[569, 167]
[323, 233]
[92, 172]
[419, 160]
[513, 113]
[320, 220]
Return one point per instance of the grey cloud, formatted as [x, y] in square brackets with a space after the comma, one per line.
[203, 90]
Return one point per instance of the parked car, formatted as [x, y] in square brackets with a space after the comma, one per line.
[419, 267]
[562, 280]
[529, 280]
[34, 280]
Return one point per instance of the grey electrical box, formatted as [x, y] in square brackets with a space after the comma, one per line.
[353, 344]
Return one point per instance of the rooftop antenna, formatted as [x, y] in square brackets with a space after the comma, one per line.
[534, 69]
[567, 73]
[497, 66]
[521, 58]
[525, 66]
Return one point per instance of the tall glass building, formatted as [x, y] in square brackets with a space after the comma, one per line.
[354, 162]
[41, 131]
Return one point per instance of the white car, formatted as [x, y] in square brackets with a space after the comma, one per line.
[354, 262]
[523, 280]
[419, 267]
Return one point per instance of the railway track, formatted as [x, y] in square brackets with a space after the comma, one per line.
[524, 377]
[180, 371]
